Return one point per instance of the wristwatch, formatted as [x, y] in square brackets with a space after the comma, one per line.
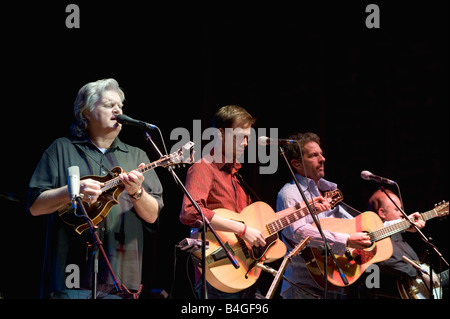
[138, 194]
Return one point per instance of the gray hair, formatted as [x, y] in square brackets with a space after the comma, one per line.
[86, 99]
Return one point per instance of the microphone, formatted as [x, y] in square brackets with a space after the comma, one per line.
[370, 177]
[73, 184]
[126, 120]
[192, 245]
[264, 140]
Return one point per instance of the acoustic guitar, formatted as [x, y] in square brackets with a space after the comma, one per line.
[355, 261]
[220, 273]
[113, 187]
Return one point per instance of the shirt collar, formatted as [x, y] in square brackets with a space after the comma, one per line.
[117, 144]
[323, 184]
[222, 164]
[229, 167]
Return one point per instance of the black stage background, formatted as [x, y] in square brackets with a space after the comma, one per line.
[377, 97]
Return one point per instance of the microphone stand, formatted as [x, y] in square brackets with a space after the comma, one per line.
[422, 236]
[205, 224]
[97, 245]
[328, 249]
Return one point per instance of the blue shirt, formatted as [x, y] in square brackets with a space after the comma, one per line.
[289, 196]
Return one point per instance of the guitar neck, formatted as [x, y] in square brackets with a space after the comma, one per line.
[116, 180]
[299, 212]
[281, 223]
[400, 226]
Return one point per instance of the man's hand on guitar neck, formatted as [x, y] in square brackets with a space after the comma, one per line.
[418, 221]
[321, 204]
[133, 180]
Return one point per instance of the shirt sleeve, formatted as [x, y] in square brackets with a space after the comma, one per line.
[152, 184]
[45, 176]
[198, 184]
[303, 227]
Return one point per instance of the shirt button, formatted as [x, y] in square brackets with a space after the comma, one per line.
[103, 228]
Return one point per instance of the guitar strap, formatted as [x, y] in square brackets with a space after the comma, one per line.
[86, 155]
[247, 188]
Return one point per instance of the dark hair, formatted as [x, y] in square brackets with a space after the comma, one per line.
[292, 150]
[228, 114]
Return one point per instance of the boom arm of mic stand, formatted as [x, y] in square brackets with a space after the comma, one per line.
[206, 223]
[327, 247]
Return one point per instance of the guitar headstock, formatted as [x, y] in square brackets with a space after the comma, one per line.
[441, 209]
[335, 196]
[184, 155]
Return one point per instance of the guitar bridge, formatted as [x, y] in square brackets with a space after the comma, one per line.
[218, 254]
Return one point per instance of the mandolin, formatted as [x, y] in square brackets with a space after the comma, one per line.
[416, 288]
[113, 187]
[355, 261]
[220, 273]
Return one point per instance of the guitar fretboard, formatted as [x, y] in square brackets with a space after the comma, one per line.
[397, 227]
[300, 212]
[281, 223]
[116, 180]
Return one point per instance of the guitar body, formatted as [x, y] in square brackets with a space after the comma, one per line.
[96, 211]
[353, 266]
[220, 273]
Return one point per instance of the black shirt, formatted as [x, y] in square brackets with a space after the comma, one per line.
[121, 231]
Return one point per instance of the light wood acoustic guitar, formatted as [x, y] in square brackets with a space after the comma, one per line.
[220, 273]
[355, 261]
[113, 187]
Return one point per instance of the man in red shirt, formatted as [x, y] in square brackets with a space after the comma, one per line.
[212, 183]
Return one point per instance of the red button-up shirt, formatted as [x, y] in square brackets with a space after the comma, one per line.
[212, 185]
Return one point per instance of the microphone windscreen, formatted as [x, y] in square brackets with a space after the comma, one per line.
[73, 181]
[366, 175]
[263, 140]
[121, 118]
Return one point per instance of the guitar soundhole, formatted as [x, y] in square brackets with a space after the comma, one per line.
[371, 247]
